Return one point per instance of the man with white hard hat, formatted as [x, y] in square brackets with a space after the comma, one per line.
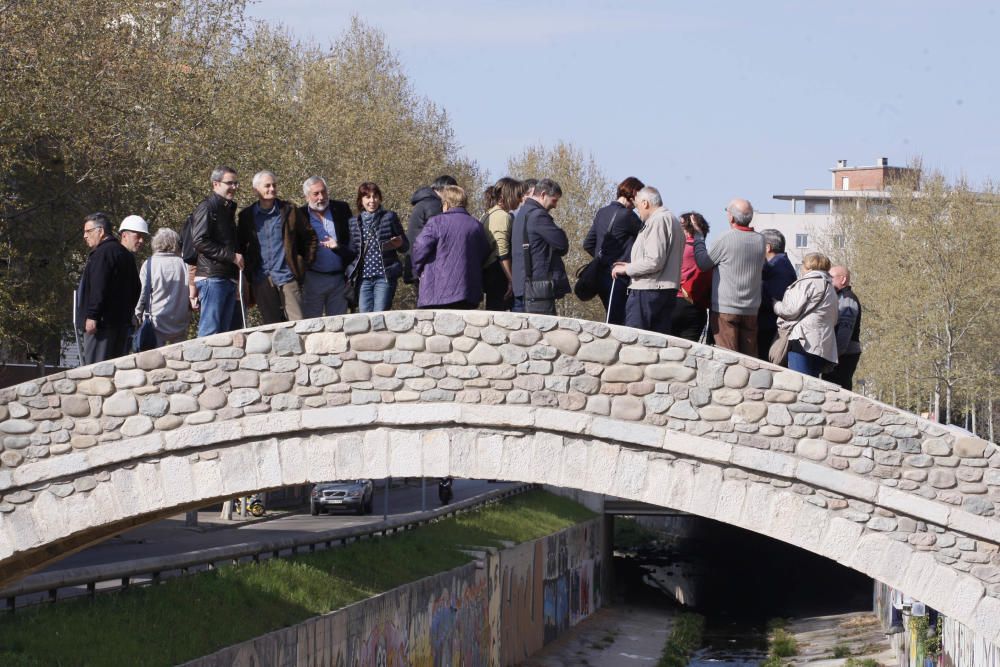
[133, 232]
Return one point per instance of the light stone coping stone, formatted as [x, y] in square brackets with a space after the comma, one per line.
[561, 420]
[546, 463]
[631, 432]
[697, 447]
[294, 468]
[72, 464]
[339, 417]
[602, 460]
[214, 433]
[764, 460]
[916, 576]
[124, 450]
[913, 505]
[848, 484]
[494, 415]
[987, 528]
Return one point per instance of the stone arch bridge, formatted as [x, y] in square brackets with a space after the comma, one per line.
[578, 404]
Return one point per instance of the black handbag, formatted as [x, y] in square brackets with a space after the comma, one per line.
[588, 276]
[144, 337]
[539, 295]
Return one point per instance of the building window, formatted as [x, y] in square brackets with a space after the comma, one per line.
[839, 241]
[801, 240]
[845, 183]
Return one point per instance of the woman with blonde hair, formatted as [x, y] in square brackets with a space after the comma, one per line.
[164, 290]
[808, 310]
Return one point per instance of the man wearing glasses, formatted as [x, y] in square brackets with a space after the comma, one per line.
[213, 230]
[109, 290]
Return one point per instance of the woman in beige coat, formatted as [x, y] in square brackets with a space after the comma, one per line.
[809, 307]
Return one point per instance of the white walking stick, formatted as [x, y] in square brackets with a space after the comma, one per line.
[611, 298]
[76, 332]
[243, 311]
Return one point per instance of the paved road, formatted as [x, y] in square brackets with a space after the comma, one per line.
[170, 536]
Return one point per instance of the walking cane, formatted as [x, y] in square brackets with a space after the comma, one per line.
[611, 298]
[76, 333]
[243, 311]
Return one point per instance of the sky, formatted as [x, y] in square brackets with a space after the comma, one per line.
[704, 100]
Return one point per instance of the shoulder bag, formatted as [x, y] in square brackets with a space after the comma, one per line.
[779, 347]
[588, 278]
[539, 295]
[144, 337]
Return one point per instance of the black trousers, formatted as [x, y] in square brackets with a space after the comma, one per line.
[688, 320]
[105, 343]
[843, 373]
[495, 287]
[650, 309]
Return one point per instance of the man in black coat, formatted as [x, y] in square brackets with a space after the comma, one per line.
[426, 204]
[547, 243]
[109, 290]
[213, 229]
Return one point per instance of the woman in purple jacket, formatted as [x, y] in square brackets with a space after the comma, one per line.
[448, 255]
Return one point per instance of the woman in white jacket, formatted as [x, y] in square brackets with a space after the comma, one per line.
[167, 289]
[809, 307]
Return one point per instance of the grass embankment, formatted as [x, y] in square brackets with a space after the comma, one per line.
[685, 639]
[188, 617]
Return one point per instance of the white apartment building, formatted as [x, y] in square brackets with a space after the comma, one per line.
[809, 223]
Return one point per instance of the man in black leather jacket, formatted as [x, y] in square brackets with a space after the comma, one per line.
[217, 271]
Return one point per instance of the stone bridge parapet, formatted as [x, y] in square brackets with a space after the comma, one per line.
[888, 472]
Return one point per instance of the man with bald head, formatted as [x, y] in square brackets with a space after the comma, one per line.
[738, 259]
[848, 330]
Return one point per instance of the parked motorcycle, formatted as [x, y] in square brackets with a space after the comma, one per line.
[255, 506]
[445, 493]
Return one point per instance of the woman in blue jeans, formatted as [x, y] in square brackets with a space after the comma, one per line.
[377, 239]
[809, 307]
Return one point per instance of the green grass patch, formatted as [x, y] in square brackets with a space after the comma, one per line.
[862, 662]
[685, 639]
[630, 534]
[841, 651]
[188, 617]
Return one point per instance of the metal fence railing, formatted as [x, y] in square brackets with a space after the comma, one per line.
[109, 577]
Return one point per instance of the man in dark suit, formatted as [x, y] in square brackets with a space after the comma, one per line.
[546, 242]
[325, 291]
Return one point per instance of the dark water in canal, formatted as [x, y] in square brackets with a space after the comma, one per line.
[738, 581]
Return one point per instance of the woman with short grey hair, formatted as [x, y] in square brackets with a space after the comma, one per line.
[164, 293]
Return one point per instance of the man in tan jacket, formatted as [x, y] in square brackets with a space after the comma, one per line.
[655, 266]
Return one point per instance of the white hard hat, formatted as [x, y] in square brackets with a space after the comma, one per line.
[134, 223]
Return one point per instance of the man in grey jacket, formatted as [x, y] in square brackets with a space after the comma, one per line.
[848, 330]
[654, 266]
[738, 258]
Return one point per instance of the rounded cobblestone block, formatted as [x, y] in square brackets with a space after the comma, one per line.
[121, 404]
[670, 371]
[373, 342]
[240, 398]
[97, 386]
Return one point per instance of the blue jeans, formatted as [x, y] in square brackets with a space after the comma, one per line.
[803, 362]
[218, 303]
[375, 294]
[518, 306]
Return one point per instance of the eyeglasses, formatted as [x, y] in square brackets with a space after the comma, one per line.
[91, 229]
[232, 184]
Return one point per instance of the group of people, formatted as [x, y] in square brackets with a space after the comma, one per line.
[658, 274]
[294, 262]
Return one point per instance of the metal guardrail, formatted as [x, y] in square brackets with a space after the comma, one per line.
[154, 568]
